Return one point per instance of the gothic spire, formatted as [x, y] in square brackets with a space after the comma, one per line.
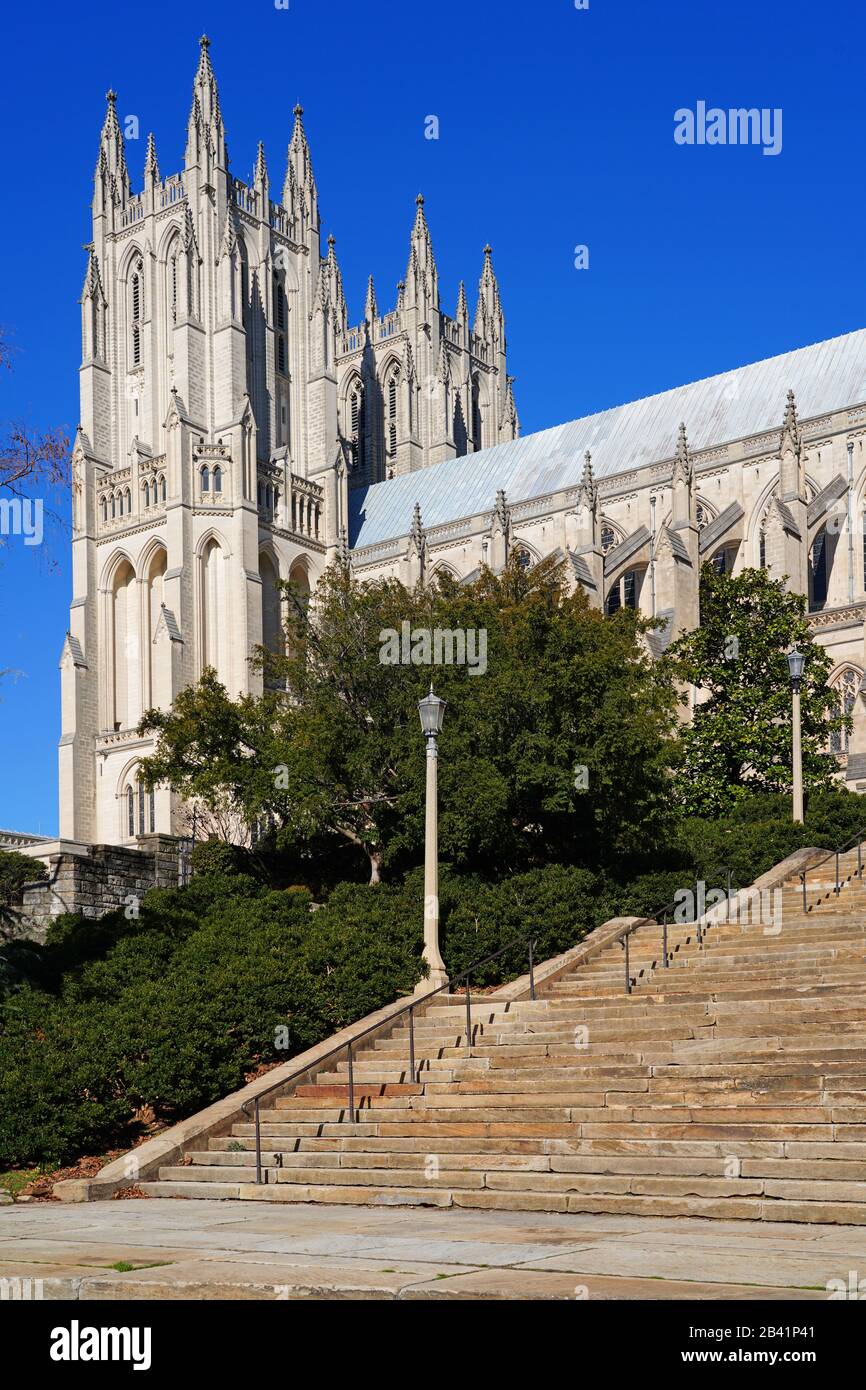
[416, 534]
[421, 276]
[334, 284]
[509, 425]
[205, 140]
[462, 312]
[260, 171]
[586, 494]
[151, 167]
[300, 196]
[682, 460]
[790, 427]
[92, 288]
[230, 234]
[371, 311]
[489, 320]
[111, 163]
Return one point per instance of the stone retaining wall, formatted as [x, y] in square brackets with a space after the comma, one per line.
[96, 880]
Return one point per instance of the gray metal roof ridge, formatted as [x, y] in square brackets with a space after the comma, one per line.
[741, 404]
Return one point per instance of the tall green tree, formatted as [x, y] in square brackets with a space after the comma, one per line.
[739, 741]
[556, 743]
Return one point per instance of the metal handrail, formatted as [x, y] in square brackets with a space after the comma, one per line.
[351, 1043]
[858, 839]
[409, 1008]
[653, 920]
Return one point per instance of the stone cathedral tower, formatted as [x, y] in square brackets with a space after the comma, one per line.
[227, 407]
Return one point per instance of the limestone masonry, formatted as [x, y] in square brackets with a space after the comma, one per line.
[236, 430]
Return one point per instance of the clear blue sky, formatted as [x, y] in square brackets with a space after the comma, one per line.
[556, 129]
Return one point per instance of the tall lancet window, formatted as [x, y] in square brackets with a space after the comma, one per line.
[845, 689]
[214, 617]
[476, 426]
[819, 570]
[357, 424]
[171, 288]
[392, 402]
[136, 312]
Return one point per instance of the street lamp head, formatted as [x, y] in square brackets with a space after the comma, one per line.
[796, 662]
[432, 711]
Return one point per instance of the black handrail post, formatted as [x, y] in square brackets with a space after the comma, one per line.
[531, 970]
[627, 971]
[665, 939]
[412, 1045]
[860, 859]
[468, 1016]
[803, 877]
[351, 1087]
[837, 871]
[258, 1145]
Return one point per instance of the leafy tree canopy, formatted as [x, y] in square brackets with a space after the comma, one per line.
[556, 746]
[740, 740]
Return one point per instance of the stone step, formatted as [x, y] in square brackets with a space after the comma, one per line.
[822, 1170]
[726, 1208]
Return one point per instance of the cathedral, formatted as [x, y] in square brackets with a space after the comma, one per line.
[236, 430]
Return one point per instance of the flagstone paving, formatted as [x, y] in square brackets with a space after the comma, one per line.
[200, 1249]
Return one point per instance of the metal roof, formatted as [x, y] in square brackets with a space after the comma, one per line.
[826, 376]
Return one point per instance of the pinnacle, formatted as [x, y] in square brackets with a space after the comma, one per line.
[151, 165]
[260, 172]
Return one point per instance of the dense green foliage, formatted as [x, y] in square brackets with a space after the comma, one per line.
[341, 762]
[118, 1022]
[16, 870]
[739, 740]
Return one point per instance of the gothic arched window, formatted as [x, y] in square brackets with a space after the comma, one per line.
[723, 560]
[392, 402]
[609, 538]
[136, 311]
[161, 490]
[205, 479]
[818, 571]
[845, 688]
[623, 593]
[217, 478]
[147, 495]
[476, 422]
[356, 424]
[130, 811]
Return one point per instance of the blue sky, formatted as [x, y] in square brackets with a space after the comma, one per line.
[555, 130]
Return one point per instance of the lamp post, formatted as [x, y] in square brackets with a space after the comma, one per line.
[796, 662]
[432, 710]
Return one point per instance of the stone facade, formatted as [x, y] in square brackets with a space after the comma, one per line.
[237, 431]
[228, 407]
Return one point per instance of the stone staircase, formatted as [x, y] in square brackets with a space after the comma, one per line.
[730, 1084]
